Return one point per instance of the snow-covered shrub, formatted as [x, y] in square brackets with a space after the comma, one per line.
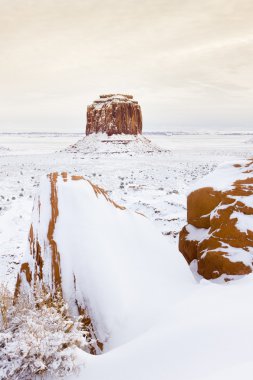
[5, 305]
[37, 338]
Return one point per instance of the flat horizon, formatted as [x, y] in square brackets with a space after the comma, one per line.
[188, 63]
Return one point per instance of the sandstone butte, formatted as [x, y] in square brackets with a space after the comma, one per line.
[114, 114]
[219, 233]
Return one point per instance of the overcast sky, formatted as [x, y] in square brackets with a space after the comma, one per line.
[189, 63]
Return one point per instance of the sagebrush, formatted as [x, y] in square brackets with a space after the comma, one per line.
[37, 337]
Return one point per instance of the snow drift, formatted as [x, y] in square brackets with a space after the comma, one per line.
[111, 265]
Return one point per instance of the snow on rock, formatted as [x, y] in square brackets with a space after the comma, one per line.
[114, 114]
[111, 265]
[219, 233]
[101, 143]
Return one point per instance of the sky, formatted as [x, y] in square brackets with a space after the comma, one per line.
[189, 63]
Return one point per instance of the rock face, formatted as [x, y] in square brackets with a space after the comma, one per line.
[100, 257]
[114, 114]
[43, 266]
[219, 233]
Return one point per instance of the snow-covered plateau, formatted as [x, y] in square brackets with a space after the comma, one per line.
[165, 323]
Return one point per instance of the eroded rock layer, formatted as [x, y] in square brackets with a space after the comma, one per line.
[219, 233]
[114, 114]
[100, 258]
[43, 264]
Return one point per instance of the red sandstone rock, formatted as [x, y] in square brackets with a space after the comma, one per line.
[114, 114]
[42, 266]
[219, 233]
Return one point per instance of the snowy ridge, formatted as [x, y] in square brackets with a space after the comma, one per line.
[101, 143]
[224, 176]
[111, 277]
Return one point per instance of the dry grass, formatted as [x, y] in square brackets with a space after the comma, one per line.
[6, 303]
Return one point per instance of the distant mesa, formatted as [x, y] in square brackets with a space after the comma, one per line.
[114, 126]
[114, 114]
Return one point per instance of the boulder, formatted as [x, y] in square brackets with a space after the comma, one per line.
[219, 233]
[114, 114]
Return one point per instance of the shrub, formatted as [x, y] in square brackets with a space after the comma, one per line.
[37, 337]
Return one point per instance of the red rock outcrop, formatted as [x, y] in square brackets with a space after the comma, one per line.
[219, 233]
[100, 258]
[42, 265]
[114, 114]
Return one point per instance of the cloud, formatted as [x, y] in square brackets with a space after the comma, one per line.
[188, 62]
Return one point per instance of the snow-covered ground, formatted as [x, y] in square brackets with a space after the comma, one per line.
[207, 334]
[154, 184]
